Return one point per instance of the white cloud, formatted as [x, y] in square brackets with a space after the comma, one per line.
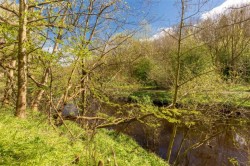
[162, 32]
[223, 8]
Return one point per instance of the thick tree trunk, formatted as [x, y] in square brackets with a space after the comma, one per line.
[22, 61]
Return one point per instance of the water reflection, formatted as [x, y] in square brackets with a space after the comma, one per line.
[220, 145]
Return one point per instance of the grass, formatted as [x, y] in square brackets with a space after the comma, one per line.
[33, 142]
[236, 95]
[237, 100]
[238, 87]
[126, 150]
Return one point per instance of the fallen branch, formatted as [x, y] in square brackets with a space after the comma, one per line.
[90, 118]
[124, 121]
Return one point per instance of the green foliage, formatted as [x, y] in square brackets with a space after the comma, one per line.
[193, 63]
[179, 116]
[233, 161]
[142, 69]
[8, 33]
[151, 96]
[34, 142]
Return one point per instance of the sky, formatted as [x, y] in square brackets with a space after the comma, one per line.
[166, 12]
[223, 7]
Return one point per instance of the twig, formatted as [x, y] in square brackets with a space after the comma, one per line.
[63, 120]
[115, 162]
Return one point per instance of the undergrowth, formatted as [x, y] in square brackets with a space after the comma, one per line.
[33, 142]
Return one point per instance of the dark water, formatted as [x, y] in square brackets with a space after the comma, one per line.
[222, 141]
[228, 144]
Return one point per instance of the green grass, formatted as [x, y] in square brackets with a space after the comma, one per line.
[238, 87]
[126, 150]
[237, 100]
[34, 142]
[238, 96]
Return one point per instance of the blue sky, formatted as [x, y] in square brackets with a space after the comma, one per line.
[167, 11]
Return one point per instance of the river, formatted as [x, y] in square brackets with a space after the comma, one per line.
[219, 143]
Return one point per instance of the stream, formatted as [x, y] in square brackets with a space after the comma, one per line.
[221, 144]
[222, 140]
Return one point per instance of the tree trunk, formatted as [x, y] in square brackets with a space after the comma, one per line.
[22, 61]
[176, 84]
[35, 102]
[8, 92]
[84, 90]
[171, 143]
[37, 99]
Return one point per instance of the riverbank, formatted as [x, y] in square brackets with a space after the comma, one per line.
[34, 142]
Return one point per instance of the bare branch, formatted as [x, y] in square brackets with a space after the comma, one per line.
[36, 82]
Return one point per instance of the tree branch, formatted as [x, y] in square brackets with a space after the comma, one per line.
[44, 3]
[9, 10]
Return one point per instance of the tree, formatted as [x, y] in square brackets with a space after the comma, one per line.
[177, 77]
[8, 56]
[22, 60]
[228, 40]
[182, 34]
[28, 20]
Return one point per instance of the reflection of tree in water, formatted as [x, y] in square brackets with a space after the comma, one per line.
[230, 144]
[218, 143]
